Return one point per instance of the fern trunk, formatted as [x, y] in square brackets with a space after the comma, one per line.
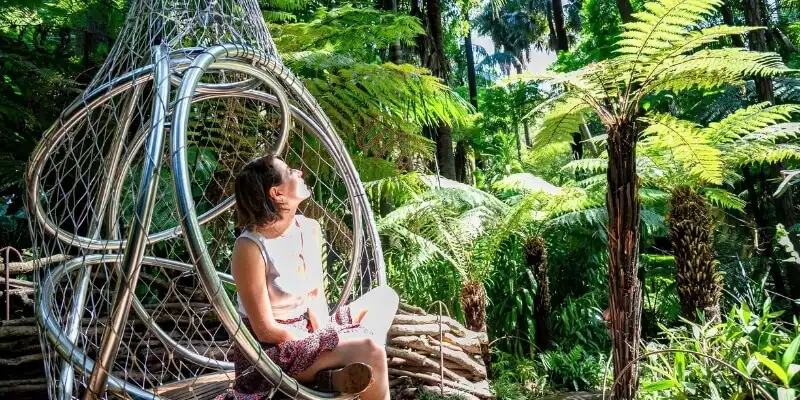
[697, 278]
[536, 259]
[625, 293]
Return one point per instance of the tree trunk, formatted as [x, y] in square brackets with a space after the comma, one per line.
[536, 258]
[625, 10]
[471, 79]
[757, 41]
[527, 129]
[625, 295]
[727, 18]
[437, 64]
[697, 279]
[553, 37]
[461, 161]
[761, 212]
[562, 44]
[473, 303]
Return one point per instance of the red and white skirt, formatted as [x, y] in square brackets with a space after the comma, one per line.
[293, 357]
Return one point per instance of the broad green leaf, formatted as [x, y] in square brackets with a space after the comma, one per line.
[791, 352]
[776, 369]
[793, 370]
[786, 394]
[680, 366]
[741, 367]
[658, 386]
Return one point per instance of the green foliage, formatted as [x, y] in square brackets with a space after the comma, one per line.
[749, 355]
[346, 30]
[574, 369]
[517, 378]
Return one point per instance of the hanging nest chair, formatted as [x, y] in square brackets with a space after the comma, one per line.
[134, 187]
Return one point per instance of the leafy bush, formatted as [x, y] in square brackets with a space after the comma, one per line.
[575, 370]
[517, 378]
[749, 356]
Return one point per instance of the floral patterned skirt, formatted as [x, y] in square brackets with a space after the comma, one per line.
[293, 357]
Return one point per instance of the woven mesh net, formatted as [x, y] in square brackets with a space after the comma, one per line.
[100, 174]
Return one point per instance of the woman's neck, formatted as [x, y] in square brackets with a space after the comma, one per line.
[280, 226]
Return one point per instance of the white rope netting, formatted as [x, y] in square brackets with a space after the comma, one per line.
[134, 184]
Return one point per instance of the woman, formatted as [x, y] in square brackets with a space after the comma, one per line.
[277, 267]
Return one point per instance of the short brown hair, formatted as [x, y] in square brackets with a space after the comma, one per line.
[254, 206]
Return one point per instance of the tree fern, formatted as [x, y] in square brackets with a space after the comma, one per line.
[686, 145]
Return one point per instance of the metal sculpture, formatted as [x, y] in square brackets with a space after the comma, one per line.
[134, 185]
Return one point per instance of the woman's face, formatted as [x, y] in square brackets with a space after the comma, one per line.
[293, 190]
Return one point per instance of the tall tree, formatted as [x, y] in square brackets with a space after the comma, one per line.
[648, 62]
[755, 15]
[562, 42]
[431, 49]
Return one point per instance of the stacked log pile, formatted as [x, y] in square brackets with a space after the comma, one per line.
[437, 354]
[425, 352]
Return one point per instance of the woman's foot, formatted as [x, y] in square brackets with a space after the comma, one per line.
[352, 378]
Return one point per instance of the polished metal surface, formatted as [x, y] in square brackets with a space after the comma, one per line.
[134, 252]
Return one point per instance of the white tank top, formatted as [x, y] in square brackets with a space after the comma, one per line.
[294, 267]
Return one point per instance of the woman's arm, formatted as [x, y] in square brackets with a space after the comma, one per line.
[249, 272]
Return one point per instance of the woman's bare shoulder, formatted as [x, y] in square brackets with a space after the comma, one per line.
[247, 252]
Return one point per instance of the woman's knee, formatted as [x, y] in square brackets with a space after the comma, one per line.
[372, 352]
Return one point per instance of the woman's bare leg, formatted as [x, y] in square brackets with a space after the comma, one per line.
[353, 349]
[375, 310]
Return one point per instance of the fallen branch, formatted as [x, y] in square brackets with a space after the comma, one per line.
[26, 267]
[435, 379]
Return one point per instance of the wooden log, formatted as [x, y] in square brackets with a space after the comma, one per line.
[424, 362]
[17, 283]
[462, 358]
[435, 342]
[436, 379]
[411, 309]
[21, 360]
[26, 267]
[417, 330]
[470, 345]
[455, 327]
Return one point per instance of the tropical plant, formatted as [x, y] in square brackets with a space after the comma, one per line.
[664, 49]
[749, 356]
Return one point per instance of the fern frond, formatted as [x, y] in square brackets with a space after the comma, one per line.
[525, 183]
[748, 120]
[755, 152]
[559, 124]
[709, 69]
[686, 144]
[661, 24]
[586, 166]
[723, 199]
[787, 89]
[770, 134]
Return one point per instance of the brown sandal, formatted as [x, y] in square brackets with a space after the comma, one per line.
[351, 379]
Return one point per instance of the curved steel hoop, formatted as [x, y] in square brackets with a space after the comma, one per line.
[184, 71]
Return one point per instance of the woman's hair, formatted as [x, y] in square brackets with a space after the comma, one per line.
[254, 206]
